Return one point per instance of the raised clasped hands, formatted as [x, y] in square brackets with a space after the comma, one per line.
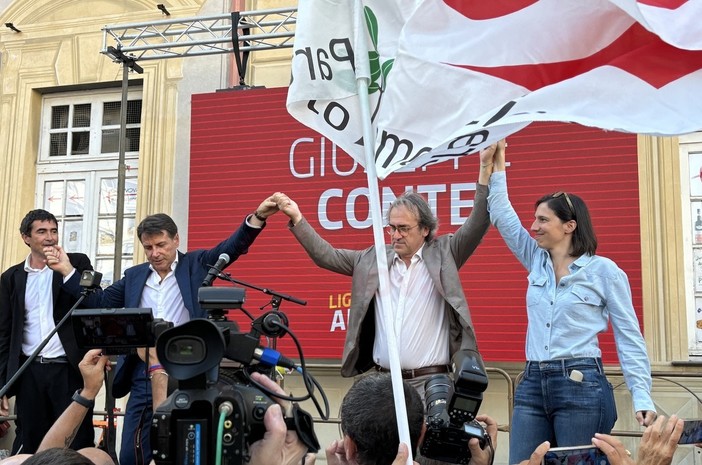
[492, 154]
[268, 207]
[289, 207]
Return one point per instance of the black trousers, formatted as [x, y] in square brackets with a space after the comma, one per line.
[43, 393]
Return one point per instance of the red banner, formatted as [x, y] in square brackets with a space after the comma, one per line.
[245, 146]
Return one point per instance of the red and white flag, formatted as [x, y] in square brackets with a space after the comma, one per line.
[464, 74]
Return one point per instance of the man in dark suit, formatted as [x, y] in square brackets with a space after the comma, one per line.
[168, 283]
[32, 302]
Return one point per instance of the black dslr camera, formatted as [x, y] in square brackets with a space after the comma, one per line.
[452, 407]
[218, 413]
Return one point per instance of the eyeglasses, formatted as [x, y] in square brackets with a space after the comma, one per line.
[403, 230]
[567, 198]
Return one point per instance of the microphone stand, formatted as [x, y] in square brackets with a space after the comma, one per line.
[43, 344]
[276, 297]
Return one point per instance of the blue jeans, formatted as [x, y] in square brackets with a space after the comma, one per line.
[550, 406]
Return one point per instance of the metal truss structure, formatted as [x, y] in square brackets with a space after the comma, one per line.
[234, 32]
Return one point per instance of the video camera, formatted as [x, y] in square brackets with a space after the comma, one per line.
[218, 413]
[452, 407]
[117, 331]
[114, 330]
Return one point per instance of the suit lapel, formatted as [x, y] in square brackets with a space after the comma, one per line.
[183, 279]
[20, 277]
[432, 260]
[136, 283]
[56, 282]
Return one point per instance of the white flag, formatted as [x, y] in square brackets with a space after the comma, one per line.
[464, 74]
[322, 94]
[504, 65]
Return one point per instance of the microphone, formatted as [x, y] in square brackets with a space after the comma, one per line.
[215, 270]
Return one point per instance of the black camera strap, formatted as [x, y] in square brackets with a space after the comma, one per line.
[302, 423]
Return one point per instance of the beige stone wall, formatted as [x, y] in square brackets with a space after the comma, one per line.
[60, 45]
[662, 250]
[272, 68]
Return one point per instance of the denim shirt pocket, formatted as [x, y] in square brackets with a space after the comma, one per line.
[586, 296]
[537, 287]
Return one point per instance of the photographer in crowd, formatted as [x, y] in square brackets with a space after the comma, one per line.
[370, 428]
[278, 446]
[54, 446]
[168, 284]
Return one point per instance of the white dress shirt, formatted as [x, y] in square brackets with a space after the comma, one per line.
[39, 313]
[419, 317]
[164, 298]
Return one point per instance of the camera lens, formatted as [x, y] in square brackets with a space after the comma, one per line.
[437, 391]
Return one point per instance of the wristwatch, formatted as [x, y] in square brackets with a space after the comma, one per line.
[87, 403]
[259, 217]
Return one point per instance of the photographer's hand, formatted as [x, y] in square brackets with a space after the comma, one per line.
[402, 454]
[483, 456]
[537, 457]
[278, 445]
[613, 448]
[4, 406]
[272, 386]
[274, 447]
[92, 369]
[336, 454]
[660, 441]
[63, 431]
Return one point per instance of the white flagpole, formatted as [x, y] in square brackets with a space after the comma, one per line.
[383, 308]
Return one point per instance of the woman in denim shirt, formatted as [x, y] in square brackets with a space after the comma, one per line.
[564, 396]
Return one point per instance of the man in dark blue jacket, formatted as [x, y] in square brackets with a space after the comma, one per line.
[168, 283]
